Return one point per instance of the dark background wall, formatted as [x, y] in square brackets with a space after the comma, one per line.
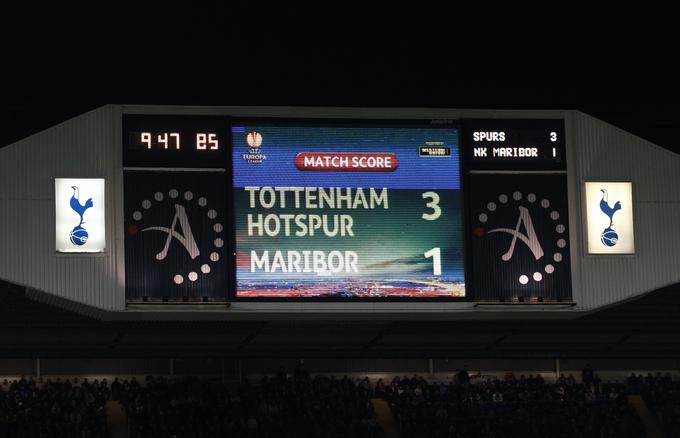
[60, 61]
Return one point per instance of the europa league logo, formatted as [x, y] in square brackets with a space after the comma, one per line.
[254, 139]
[78, 234]
[609, 236]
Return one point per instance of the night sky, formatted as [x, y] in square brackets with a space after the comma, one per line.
[57, 64]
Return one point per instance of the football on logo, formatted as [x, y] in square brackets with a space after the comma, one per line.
[254, 139]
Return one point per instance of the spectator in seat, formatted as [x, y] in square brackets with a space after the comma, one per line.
[281, 375]
[463, 376]
[587, 375]
[116, 389]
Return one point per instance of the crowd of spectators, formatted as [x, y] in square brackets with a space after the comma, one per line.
[662, 396]
[54, 409]
[299, 405]
[512, 407]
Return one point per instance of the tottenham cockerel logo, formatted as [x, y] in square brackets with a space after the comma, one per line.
[547, 251]
[179, 233]
[78, 234]
[609, 237]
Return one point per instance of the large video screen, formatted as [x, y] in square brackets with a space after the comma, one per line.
[347, 212]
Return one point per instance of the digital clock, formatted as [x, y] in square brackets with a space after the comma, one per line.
[175, 141]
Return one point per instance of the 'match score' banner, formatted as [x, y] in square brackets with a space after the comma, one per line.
[347, 212]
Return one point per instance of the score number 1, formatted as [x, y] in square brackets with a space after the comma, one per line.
[435, 253]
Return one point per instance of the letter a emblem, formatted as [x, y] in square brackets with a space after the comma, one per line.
[186, 238]
[530, 239]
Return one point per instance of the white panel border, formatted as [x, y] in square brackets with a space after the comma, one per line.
[93, 217]
[623, 224]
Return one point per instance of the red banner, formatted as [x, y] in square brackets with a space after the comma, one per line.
[346, 162]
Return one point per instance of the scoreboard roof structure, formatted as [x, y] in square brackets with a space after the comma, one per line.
[249, 213]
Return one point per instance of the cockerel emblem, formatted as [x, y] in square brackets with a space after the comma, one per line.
[609, 236]
[78, 235]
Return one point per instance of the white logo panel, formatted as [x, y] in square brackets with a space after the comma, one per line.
[609, 214]
[80, 212]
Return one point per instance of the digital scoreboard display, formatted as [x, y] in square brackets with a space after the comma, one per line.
[175, 141]
[328, 211]
[514, 144]
[518, 230]
[256, 209]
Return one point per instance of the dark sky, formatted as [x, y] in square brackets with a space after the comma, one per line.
[58, 64]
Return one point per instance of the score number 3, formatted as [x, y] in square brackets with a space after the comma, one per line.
[435, 253]
[434, 205]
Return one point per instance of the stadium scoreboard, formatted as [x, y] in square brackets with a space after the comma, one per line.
[515, 144]
[218, 208]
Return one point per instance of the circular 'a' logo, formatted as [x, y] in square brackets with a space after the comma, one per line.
[201, 254]
[254, 139]
[546, 253]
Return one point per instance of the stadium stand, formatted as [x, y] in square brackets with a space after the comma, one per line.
[662, 396]
[276, 407]
[524, 407]
[300, 405]
[56, 409]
